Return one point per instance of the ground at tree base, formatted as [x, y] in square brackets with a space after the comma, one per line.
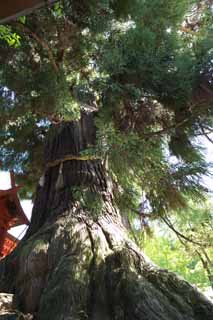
[8, 310]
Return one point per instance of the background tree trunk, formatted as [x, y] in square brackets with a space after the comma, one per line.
[76, 261]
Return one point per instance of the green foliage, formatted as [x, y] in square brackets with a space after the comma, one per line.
[196, 222]
[12, 38]
[131, 62]
[137, 165]
[169, 254]
[188, 250]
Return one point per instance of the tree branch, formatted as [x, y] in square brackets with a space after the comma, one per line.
[179, 234]
[43, 44]
[174, 126]
[206, 268]
[205, 134]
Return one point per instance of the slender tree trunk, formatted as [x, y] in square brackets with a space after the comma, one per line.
[76, 261]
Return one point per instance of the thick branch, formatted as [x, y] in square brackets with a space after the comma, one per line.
[43, 43]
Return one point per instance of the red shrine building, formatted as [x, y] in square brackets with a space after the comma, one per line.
[11, 215]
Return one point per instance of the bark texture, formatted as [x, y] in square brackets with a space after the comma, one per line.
[77, 264]
[76, 268]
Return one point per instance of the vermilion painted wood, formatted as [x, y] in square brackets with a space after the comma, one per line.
[8, 245]
[11, 215]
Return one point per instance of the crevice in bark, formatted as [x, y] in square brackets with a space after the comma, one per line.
[138, 258]
[91, 289]
[92, 283]
[107, 237]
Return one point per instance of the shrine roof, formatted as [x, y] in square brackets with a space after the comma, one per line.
[5, 193]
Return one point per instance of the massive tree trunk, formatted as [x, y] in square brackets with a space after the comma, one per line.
[76, 261]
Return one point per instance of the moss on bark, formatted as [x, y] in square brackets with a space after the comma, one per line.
[91, 270]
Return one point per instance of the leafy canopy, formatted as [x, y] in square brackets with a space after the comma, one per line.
[144, 66]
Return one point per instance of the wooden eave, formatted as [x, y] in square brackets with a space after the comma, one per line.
[5, 193]
[12, 9]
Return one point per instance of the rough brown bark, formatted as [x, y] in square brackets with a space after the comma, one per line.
[75, 268]
[77, 264]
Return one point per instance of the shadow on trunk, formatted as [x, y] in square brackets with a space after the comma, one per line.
[77, 261]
